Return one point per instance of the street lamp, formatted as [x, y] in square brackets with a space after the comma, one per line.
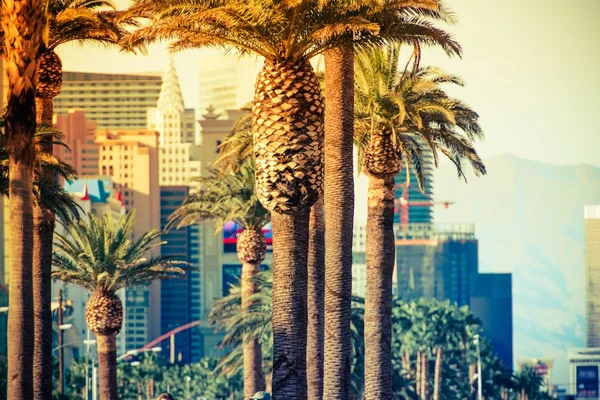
[479, 375]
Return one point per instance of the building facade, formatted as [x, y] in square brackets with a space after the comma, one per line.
[418, 211]
[180, 298]
[179, 157]
[113, 101]
[592, 274]
[80, 137]
[130, 157]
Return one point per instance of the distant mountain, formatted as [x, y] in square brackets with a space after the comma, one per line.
[529, 221]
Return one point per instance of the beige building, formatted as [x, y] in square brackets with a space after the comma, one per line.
[114, 101]
[592, 273]
[80, 135]
[179, 157]
[130, 157]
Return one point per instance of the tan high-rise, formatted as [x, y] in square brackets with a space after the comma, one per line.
[592, 273]
[131, 158]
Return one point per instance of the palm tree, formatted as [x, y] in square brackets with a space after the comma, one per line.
[102, 257]
[65, 21]
[395, 111]
[406, 21]
[21, 22]
[287, 129]
[231, 197]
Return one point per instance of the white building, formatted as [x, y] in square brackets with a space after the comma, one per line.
[179, 140]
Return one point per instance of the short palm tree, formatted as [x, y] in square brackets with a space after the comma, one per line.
[231, 197]
[287, 128]
[101, 256]
[21, 22]
[396, 111]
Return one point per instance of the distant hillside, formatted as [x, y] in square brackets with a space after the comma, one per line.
[529, 221]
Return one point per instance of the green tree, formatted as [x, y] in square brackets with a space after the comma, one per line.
[225, 197]
[399, 116]
[102, 257]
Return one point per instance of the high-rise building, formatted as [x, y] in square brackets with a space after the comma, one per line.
[359, 261]
[441, 262]
[229, 83]
[130, 157]
[80, 136]
[417, 213]
[114, 101]
[592, 273]
[179, 157]
[491, 302]
[180, 298]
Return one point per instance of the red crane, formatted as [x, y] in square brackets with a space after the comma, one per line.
[403, 203]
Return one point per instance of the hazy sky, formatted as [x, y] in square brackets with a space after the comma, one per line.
[531, 69]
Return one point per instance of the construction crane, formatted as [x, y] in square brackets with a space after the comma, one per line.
[402, 203]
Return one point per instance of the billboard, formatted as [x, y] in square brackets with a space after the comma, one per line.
[587, 381]
[231, 231]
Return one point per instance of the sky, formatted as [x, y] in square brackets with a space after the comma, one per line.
[531, 69]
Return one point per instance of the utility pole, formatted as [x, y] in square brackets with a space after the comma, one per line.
[172, 349]
[479, 375]
[61, 378]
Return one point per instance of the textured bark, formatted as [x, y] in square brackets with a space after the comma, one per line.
[424, 376]
[290, 276]
[418, 374]
[22, 29]
[439, 364]
[107, 366]
[316, 303]
[406, 362]
[378, 303]
[253, 254]
[43, 235]
[339, 221]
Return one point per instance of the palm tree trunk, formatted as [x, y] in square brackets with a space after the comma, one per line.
[378, 302]
[316, 303]
[439, 362]
[107, 366]
[339, 220]
[406, 362]
[253, 376]
[43, 235]
[418, 374]
[289, 320]
[424, 376]
[21, 23]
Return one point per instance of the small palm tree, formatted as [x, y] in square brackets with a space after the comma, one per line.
[102, 257]
[231, 197]
[396, 111]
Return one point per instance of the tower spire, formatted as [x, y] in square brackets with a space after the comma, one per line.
[170, 91]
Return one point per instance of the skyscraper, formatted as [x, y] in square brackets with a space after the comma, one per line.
[114, 101]
[179, 157]
[80, 135]
[592, 273]
[180, 298]
[417, 213]
[130, 157]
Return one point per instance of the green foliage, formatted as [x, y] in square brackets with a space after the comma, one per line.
[98, 254]
[223, 197]
[413, 108]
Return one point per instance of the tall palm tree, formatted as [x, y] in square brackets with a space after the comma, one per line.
[287, 129]
[231, 197]
[21, 22]
[65, 21]
[395, 112]
[102, 257]
[406, 21]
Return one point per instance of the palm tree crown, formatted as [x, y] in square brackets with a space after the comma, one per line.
[413, 109]
[223, 197]
[101, 255]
